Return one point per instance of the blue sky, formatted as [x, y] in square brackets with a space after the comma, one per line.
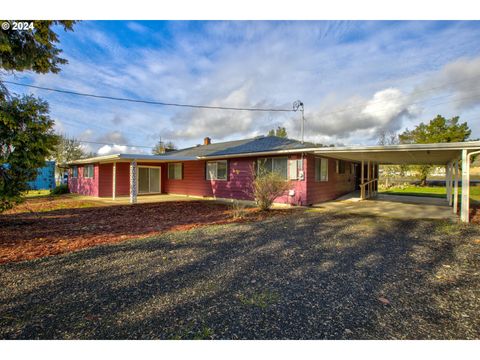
[355, 78]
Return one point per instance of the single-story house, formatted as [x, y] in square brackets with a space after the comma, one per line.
[225, 170]
[219, 170]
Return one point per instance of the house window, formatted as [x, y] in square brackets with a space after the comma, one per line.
[294, 166]
[340, 167]
[321, 169]
[175, 171]
[75, 172]
[278, 165]
[88, 171]
[217, 170]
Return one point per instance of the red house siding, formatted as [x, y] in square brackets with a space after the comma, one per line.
[82, 185]
[122, 178]
[237, 185]
[337, 184]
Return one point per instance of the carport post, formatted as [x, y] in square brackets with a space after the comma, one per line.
[362, 187]
[447, 182]
[114, 180]
[465, 186]
[450, 184]
[368, 178]
[455, 189]
[133, 182]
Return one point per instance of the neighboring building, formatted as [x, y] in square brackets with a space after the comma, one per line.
[45, 179]
[219, 170]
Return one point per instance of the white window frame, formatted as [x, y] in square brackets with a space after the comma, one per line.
[260, 160]
[74, 172]
[85, 171]
[215, 163]
[159, 179]
[296, 166]
[323, 163]
[174, 172]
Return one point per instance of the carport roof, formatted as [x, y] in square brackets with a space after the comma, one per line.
[412, 154]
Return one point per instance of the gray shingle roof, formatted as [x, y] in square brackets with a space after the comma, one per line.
[258, 144]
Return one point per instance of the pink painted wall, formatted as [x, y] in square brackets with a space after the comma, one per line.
[237, 185]
[82, 185]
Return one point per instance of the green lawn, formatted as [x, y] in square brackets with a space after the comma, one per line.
[36, 193]
[430, 191]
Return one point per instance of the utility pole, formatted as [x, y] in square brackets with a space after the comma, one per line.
[298, 105]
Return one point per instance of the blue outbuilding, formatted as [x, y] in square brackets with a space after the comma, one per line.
[45, 179]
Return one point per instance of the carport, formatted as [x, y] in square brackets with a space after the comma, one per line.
[451, 155]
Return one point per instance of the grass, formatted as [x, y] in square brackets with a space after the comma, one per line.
[430, 191]
[261, 299]
[36, 193]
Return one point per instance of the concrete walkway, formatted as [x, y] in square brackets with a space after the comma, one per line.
[393, 206]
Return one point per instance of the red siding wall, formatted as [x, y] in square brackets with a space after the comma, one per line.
[237, 186]
[123, 178]
[337, 184]
[84, 186]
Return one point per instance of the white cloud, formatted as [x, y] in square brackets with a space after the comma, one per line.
[119, 149]
[366, 66]
[136, 27]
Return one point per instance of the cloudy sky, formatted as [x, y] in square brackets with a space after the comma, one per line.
[355, 79]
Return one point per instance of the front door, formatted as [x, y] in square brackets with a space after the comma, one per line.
[148, 180]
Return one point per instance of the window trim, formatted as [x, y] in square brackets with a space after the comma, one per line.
[181, 171]
[159, 179]
[74, 172]
[259, 160]
[207, 174]
[320, 160]
[93, 171]
[338, 167]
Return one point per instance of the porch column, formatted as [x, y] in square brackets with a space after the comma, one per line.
[362, 187]
[465, 187]
[114, 180]
[455, 189]
[133, 182]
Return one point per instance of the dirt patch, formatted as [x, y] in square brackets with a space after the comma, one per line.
[43, 227]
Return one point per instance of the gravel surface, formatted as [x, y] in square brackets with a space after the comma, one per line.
[312, 275]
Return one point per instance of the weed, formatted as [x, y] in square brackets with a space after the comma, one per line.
[261, 299]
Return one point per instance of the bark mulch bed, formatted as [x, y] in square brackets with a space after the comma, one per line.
[43, 227]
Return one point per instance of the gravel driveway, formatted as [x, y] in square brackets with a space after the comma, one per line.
[313, 275]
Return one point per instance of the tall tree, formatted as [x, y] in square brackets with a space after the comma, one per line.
[162, 147]
[27, 139]
[67, 149]
[280, 132]
[33, 49]
[26, 130]
[438, 130]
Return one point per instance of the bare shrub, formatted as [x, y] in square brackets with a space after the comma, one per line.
[267, 186]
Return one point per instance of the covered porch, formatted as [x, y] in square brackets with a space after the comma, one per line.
[456, 158]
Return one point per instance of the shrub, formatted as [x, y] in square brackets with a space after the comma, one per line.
[267, 186]
[238, 210]
[60, 189]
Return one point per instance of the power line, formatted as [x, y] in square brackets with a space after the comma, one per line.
[148, 101]
[111, 144]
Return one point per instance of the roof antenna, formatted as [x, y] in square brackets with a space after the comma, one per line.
[298, 105]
